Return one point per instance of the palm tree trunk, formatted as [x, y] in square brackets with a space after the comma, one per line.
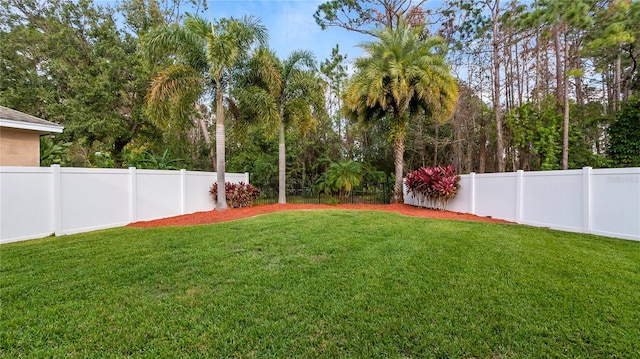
[436, 139]
[205, 134]
[398, 148]
[207, 141]
[221, 203]
[282, 186]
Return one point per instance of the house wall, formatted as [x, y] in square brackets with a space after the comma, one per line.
[598, 201]
[19, 147]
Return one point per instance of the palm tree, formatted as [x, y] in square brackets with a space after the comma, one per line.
[343, 176]
[203, 56]
[280, 94]
[402, 75]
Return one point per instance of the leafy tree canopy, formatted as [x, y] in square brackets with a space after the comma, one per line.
[624, 135]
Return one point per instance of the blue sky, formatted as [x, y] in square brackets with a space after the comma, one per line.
[291, 26]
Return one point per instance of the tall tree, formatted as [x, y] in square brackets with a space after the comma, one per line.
[403, 74]
[67, 61]
[494, 6]
[563, 18]
[280, 94]
[205, 55]
[335, 74]
[365, 16]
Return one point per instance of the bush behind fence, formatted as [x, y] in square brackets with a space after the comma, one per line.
[378, 194]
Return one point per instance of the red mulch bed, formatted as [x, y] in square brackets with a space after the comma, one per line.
[238, 213]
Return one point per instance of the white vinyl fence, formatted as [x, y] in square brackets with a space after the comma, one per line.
[598, 201]
[39, 201]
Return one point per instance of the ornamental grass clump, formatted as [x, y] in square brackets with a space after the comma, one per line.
[433, 187]
[238, 194]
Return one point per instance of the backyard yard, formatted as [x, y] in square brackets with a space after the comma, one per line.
[322, 283]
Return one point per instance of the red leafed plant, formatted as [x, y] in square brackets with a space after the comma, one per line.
[238, 194]
[433, 186]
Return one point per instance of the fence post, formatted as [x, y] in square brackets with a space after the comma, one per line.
[57, 200]
[519, 195]
[586, 199]
[246, 177]
[183, 191]
[133, 194]
[472, 193]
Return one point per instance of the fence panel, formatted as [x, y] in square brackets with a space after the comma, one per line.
[462, 201]
[36, 202]
[93, 198]
[26, 203]
[615, 202]
[553, 199]
[495, 195]
[158, 194]
[601, 201]
[198, 185]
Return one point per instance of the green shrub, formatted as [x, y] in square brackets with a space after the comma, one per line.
[624, 135]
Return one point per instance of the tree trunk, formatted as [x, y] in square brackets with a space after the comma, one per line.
[580, 100]
[221, 203]
[617, 83]
[282, 166]
[538, 73]
[457, 147]
[482, 146]
[436, 139]
[205, 134]
[118, 146]
[398, 148]
[559, 77]
[518, 75]
[605, 92]
[420, 142]
[496, 86]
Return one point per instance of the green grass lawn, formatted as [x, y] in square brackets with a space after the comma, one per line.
[322, 284]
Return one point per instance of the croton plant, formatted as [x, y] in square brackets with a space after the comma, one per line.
[433, 186]
[238, 194]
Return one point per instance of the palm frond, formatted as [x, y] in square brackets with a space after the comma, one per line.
[401, 69]
[172, 94]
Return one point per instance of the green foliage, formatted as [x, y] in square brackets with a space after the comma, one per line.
[624, 135]
[159, 162]
[52, 152]
[255, 154]
[403, 74]
[87, 65]
[616, 36]
[102, 160]
[67, 62]
[238, 194]
[322, 284]
[280, 94]
[341, 177]
[204, 57]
